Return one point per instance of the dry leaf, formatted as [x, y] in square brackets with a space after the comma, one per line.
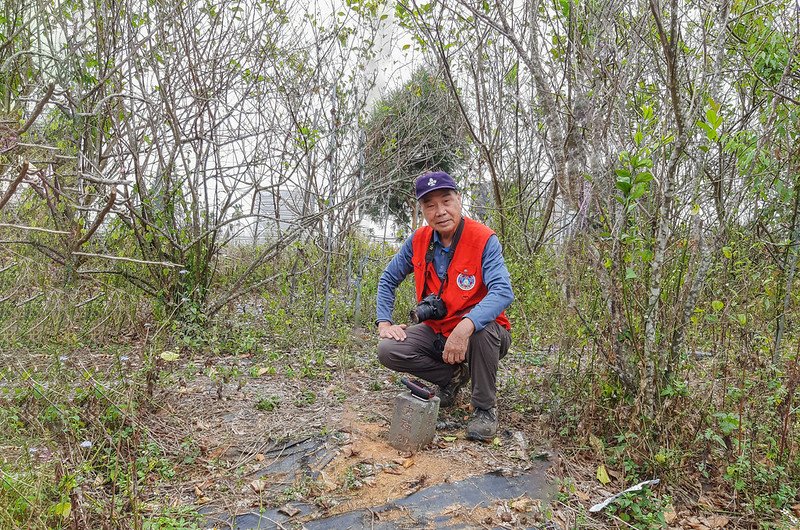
[258, 485]
[260, 457]
[198, 491]
[796, 510]
[454, 509]
[581, 495]
[216, 453]
[169, 356]
[408, 462]
[597, 444]
[695, 524]
[288, 510]
[602, 474]
[716, 521]
[203, 500]
[523, 504]
[415, 485]
[669, 514]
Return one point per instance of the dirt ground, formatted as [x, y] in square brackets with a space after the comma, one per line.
[227, 430]
[234, 438]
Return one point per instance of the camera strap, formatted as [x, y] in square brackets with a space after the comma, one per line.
[429, 256]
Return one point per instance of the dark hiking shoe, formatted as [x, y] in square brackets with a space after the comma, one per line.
[448, 393]
[483, 425]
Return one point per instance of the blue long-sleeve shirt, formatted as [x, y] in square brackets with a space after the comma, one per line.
[493, 270]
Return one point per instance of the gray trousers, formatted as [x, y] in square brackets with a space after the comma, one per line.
[418, 355]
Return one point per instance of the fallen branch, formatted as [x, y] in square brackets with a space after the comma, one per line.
[131, 260]
[90, 300]
[31, 299]
[599, 506]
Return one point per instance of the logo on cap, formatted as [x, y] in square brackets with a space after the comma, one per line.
[431, 182]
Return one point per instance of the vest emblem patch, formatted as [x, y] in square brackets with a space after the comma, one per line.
[464, 282]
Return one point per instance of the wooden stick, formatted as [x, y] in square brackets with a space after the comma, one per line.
[132, 260]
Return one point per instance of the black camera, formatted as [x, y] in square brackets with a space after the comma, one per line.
[430, 308]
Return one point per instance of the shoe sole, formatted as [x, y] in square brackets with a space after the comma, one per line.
[480, 437]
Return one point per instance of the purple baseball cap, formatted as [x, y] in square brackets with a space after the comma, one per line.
[438, 180]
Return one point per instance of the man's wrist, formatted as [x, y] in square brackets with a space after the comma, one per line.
[379, 322]
[469, 325]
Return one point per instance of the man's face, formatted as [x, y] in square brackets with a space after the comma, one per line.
[442, 211]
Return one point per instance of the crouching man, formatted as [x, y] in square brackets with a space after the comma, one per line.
[462, 287]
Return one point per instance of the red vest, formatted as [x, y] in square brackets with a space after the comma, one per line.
[464, 287]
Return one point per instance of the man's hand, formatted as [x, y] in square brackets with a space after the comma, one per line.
[455, 349]
[387, 330]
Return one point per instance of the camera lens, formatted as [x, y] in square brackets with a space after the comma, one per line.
[430, 308]
[424, 311]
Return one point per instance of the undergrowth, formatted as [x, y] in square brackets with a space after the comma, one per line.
[83, 366]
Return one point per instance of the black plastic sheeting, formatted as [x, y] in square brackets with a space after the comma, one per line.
[430, 507]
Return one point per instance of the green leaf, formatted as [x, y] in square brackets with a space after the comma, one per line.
[637, 191]
[511, 76]
[624, 187]
[741, 318]
[623, 173]
[63, 508]
[727, 421]
[711, 134]
[716, 305]
[449, 438]
[712, 118]
[727, 252]
[630, 274]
